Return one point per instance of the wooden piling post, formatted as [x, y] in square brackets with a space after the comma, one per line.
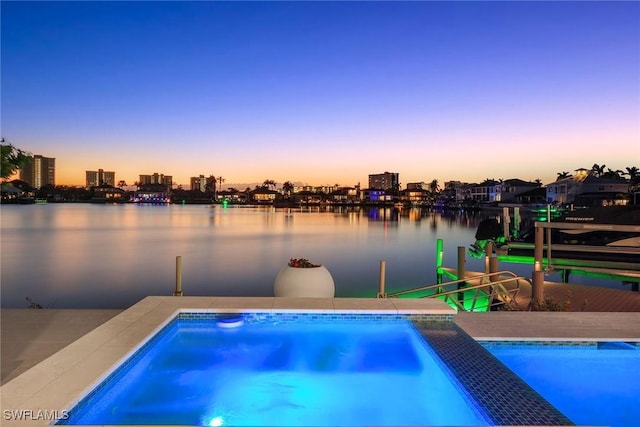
[537, 288]
[178, 291]
[381, 293]
[506, 220]
[538, 249]
[488, 254]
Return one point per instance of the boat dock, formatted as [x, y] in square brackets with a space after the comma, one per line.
[572, 297]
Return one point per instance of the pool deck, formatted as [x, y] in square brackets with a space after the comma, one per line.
[50, 358]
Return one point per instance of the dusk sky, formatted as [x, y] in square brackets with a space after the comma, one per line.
[323, 92]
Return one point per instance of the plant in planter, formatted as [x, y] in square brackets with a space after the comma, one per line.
[302, 263]
[303, 278]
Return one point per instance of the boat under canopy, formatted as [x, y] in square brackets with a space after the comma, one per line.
[602, 236]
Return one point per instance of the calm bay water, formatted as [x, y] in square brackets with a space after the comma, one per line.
[111, 256]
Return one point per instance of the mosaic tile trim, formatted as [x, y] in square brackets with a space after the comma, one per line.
[276, 317]
[537, 343]
[502, 395]
[551, 345]
[117, 373]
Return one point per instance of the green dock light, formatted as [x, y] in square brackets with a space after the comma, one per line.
[439, 253]
[439, 260]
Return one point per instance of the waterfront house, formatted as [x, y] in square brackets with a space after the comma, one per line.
[376, 195]
[151, 193]
[107, 193]
[345, 195]
[307, 197]
[586, 189]
[415, 196]
[473, 192]
[507, 190]
[232, 195]
[264, 195]
[536, 195]
[17, 192]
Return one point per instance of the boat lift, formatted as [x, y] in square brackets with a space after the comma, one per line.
[628, 270]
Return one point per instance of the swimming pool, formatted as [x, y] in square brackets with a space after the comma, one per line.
[421, 365]
[312, 370]
[592, 383]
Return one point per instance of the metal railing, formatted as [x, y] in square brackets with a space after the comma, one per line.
[490, 286]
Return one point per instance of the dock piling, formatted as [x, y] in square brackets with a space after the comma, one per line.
[537, 276]
[381, 293]
[178, 290]
[506, 220]
[488, 254]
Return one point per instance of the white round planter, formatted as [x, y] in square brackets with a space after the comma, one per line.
[304, 282]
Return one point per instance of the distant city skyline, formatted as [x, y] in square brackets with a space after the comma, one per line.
[95, 177]
[323, 92]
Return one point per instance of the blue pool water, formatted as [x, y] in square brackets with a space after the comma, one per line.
[320, 373]
[592, 385]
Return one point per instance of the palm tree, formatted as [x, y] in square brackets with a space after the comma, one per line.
[434, 186]
[598, 170]
[563, 175]
[488, 182]
[634, 178]
[268, 183]
[287, 189]
[633, 173]
[617, 174]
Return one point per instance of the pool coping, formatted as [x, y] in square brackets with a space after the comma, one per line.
[59, 382]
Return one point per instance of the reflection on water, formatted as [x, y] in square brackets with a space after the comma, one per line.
[111, 256]
[83, 255]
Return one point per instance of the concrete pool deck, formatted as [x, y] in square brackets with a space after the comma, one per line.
[58, 379]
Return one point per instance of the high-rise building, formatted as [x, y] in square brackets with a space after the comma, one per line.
[198, 183]
[156, 178]
[385, 181]
[39, 172]
[100, 177]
